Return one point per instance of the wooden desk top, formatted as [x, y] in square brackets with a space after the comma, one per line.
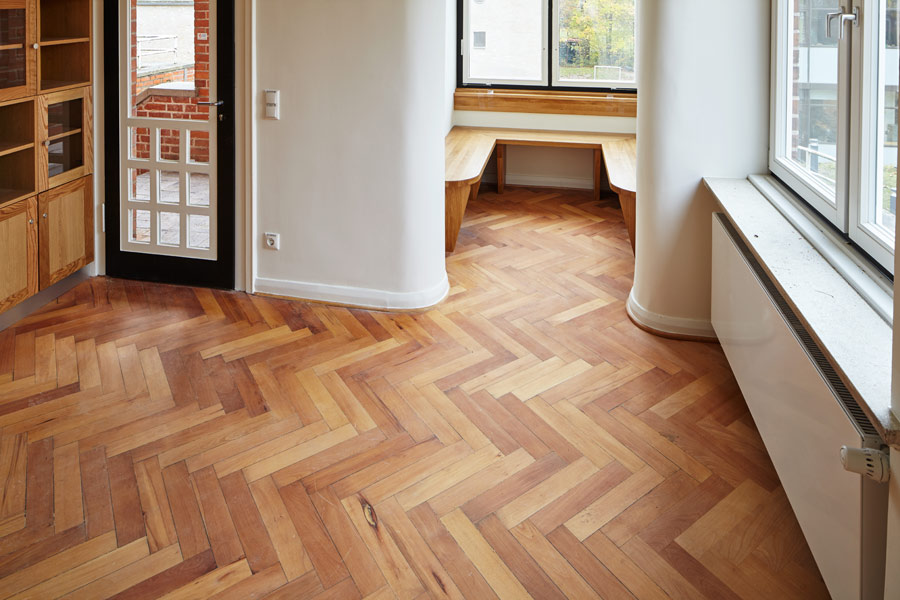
[468, 148]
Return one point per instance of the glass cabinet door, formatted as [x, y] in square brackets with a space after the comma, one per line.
[66, 143]
[17, 66]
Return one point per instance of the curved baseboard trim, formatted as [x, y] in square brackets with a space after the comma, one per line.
[354, 296]
[675, 328]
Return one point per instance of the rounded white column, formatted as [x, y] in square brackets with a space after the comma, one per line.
[703, 107]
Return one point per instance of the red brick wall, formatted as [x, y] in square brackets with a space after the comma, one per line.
[171, 107]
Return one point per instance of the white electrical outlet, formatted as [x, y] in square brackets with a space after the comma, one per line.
[273, 241]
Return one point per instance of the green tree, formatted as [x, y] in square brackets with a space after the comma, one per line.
[597, 33]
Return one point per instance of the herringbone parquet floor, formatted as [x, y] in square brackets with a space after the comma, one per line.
[522, 439]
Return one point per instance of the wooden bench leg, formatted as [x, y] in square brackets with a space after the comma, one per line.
[501, 167]
[598, 173]
[628, 200]
[456, 198]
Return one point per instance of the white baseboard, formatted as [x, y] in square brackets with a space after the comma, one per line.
[354, 296]
[664, 324]
[549, 181]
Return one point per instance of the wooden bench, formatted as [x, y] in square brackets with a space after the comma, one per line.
[468, 150]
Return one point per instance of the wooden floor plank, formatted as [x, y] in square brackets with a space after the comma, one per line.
[248, 523]
[185, 511]
[285, 539]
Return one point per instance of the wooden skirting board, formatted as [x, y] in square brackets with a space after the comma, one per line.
[468, 150]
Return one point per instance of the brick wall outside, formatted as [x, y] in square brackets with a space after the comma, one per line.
[171, 107]
[12, 62]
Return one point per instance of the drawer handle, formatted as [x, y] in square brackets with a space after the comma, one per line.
[31, 221]
[45, 215]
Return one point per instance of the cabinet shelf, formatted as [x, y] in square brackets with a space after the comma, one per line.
[6, 148]
[64, 134]
[10, 196]
[59, 41]
[16, 126]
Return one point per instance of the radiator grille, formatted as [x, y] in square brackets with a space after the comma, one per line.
[816, 355]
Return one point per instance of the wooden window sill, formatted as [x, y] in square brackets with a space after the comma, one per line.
[546, 102]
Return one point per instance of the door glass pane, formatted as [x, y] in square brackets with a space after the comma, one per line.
[12, 68]
[510, 41]
[66, 153]
[169, 229]
[882, 211]
[169, 187]
[64, 117]
[199, 141]
[596, 41]
[139, 185]
[199, 232]
[12, 26]
[139, 229]
[169, 144]
[812, 109]
[139, 142]
[198, 192]
[170, 75]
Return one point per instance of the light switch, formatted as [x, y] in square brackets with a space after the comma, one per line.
[273, 104]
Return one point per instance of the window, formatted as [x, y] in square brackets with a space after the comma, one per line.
[834, 118]
[593, 43]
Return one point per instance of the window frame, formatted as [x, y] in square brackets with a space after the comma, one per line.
[550, 59]
[858, 115]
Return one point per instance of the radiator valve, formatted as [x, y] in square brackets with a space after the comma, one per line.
[868, 462]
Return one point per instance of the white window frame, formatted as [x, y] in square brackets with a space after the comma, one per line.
[868, 94]
[858, 113]
[807, 188]
[466, 47]
[606, 84]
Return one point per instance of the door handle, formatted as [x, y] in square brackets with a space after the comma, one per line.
[844, 19]
[216, 103]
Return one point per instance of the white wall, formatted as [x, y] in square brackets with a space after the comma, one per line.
[352, 175]
[704, 84]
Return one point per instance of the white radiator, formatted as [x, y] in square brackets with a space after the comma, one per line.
[804, 414]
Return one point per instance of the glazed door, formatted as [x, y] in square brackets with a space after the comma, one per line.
[170, 191]
[18, 68]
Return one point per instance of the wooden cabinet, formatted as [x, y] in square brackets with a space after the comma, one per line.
[65, 137]
[66, 232]
[46, 144]
[19, 252]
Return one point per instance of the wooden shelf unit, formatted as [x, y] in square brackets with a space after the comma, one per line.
[46, 144]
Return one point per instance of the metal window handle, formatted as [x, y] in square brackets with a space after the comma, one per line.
[845, 18]
[216, 103]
